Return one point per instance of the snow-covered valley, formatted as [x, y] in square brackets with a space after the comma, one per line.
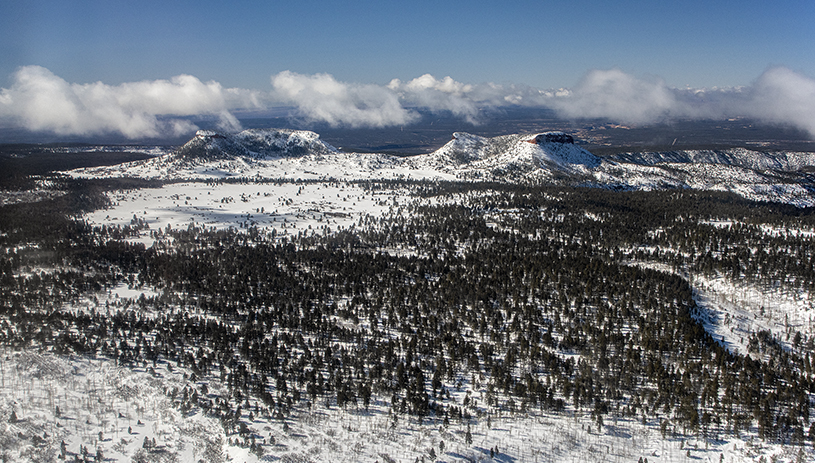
[296, 303]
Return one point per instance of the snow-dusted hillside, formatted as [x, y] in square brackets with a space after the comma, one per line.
[544, 157]
[253, 143]
[519, 157]
[742, 157]
[67, 408]
[267, 153]
[751, 184]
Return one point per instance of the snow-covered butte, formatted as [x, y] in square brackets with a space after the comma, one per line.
[534, 157]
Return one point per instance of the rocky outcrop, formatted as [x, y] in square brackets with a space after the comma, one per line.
[552, 137]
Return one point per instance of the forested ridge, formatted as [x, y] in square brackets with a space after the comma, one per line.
[533, 299]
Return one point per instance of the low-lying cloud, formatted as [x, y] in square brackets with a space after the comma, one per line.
[41, 101]
[614, 94]
[783, 96]
[439, 95]
[779, 95]
[322, 98]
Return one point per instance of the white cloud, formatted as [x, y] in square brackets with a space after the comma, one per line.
[439, 95]
[320, 97]
[779, 95]
[41, 101]
[616, 95]
[783, 96]
[446, 85]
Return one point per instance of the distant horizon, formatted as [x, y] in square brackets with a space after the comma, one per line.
[140, 70]
[433, 130]
[39, 101]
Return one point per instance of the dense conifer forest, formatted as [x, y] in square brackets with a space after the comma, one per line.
[525, 298]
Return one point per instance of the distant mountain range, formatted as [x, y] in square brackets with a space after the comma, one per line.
[549, 157]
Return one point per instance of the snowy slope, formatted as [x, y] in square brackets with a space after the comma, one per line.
[763, 160]
[266, 153]
[253, 143]
[752, 184]
[509, 157]
[112, 410]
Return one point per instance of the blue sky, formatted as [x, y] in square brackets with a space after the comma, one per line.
[542, 45]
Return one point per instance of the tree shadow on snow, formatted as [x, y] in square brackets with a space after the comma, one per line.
[497, 457]
[616, 431]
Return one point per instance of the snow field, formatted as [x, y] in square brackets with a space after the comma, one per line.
[97, 405]
[285, 208]
[740, 309]
[129, 405]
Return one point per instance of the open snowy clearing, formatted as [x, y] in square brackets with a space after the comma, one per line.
[732, 311]
[285, 208]
[737, 310]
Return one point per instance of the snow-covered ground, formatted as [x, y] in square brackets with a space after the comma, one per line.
[286, 208]
[735, 310]
[95, 404]
[133, 405]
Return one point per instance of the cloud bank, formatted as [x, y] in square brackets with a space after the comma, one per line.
[41, 101]
[783, 96]
[779, 96]
[439, 95]
[615, 95]
[38, 100]
[322, 98]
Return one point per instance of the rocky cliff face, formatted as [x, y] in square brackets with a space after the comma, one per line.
[552, 137]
